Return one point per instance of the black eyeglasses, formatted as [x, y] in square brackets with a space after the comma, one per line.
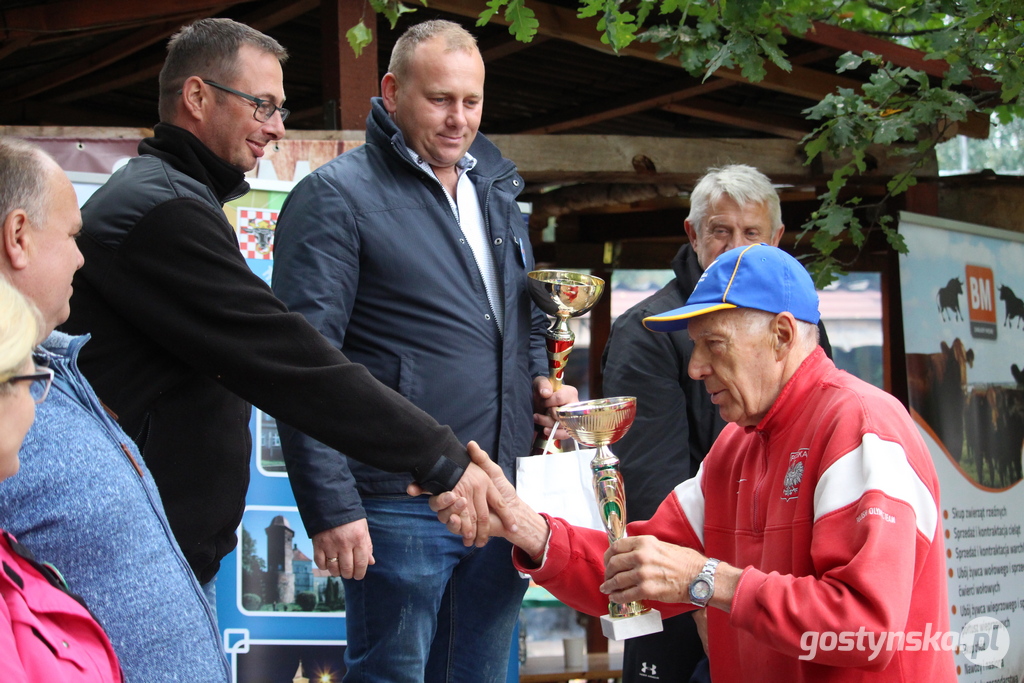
[264, 109]
[40, 380]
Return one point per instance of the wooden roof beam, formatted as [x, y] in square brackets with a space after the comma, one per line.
[810, 84]
[14, 43]
[63, 117]
[851, 41]
[106, 56]
[562, 23]
[73, 16]
[565, 159]
[649, 98]
[740, 117]
[125, 73]
[500, 46]
[136, 71]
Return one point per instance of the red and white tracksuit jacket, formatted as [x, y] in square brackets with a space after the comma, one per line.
[831, 506]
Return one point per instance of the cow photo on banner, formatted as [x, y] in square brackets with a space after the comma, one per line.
[961, 288]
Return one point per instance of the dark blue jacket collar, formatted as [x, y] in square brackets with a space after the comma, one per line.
[382, 131]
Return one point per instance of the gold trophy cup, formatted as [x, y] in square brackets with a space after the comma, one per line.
[597, 424]
[563, 294]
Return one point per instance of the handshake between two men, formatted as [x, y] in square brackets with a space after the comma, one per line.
[634, 568]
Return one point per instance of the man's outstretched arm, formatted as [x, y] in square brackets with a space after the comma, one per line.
[477, 503]
[519, 523]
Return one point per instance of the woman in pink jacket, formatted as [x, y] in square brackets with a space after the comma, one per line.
[46, 633]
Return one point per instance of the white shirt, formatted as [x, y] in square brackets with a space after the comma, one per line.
[466, 207]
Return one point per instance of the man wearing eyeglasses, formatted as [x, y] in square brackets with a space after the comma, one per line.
[84, 499]
[185, 336]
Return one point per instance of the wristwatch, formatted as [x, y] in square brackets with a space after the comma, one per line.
[703, 586]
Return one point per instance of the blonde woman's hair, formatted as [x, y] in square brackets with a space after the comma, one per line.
[19, 331]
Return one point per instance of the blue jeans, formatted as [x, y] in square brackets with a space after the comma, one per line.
[430, 609]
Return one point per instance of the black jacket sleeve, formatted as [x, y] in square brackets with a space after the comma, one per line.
[180, 278]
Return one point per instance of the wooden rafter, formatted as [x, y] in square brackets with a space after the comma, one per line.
[900, 55]
[500, 46]
[800, 81]
[130, 71]
[110, 54]
[630, 103]
[545, 159]
[73, 16]
[15, 43]
[651, 98]
[50, 116]
[784, 126]
[127, 72]
[273, 14]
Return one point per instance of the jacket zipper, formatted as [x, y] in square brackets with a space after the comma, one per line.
[487, 222]
[761, 478]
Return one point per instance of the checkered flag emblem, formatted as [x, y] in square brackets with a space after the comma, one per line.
[255, 233]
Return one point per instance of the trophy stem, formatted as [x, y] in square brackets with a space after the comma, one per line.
[610, 493]
[559, 340]
[611, 501]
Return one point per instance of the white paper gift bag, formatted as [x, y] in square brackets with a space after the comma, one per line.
[560, 484]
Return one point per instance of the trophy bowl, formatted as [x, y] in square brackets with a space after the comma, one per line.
[598, 422]
[564, 293]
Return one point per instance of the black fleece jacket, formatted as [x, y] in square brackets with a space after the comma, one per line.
[185, 337]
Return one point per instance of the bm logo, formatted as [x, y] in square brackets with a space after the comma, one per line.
[981, 302]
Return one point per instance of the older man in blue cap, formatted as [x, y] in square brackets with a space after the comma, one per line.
[812, 528]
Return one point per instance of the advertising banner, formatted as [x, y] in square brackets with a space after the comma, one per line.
[281, 617]
[964, 335]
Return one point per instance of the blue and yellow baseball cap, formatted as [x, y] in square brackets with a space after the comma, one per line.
[756, 276]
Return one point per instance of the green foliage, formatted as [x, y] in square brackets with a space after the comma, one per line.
[898, 108]
[306, 601]
[251, 602]
[333, 598]
[523, 22]
[359, 36]
[251, 562]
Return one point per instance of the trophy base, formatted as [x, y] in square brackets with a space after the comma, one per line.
[623, 628]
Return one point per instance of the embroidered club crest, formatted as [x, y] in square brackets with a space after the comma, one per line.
[794, 475]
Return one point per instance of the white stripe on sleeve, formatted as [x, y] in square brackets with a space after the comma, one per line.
[691, 499]
[875, 465]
